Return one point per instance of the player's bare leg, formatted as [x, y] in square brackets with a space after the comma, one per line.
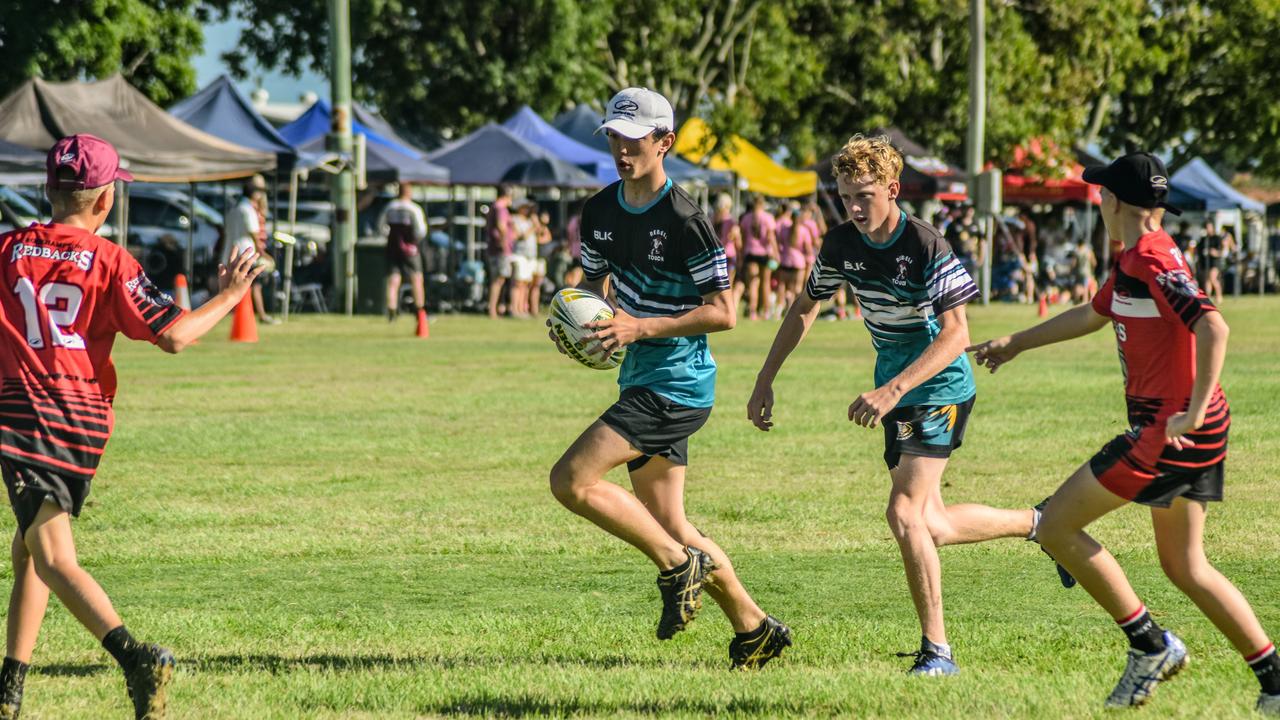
[915, 480]
[393, 295]
[53, 552]
[495, 295]
[27, 604]
[659, 485]
[972, 523]
[1179, 532]
[753, 290]
[577, 481]
[1080, 501]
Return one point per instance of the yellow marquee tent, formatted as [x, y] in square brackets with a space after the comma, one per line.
[762, 174]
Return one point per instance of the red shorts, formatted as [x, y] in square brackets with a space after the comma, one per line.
[1141, 467]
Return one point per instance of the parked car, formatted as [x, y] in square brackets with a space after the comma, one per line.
[15, 210]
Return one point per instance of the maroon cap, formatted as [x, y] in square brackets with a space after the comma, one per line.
[93, 160]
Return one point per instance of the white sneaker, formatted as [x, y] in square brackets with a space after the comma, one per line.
[1145, 670]
[1269, 704]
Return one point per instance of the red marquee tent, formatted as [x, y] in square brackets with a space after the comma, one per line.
[1027, 188]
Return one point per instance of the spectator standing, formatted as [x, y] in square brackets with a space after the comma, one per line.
[404, 224]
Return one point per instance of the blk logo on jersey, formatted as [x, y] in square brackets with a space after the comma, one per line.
[602, 235]
[854, 267]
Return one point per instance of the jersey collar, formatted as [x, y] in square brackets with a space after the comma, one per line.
[897, 233]
[666, 188]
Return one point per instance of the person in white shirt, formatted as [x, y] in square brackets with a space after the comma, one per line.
[244, 230]
[405, 225]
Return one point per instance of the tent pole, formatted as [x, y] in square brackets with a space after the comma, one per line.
[189, 264]
[1238, 286]
[288, 251]
[122, 230]
[471, 225]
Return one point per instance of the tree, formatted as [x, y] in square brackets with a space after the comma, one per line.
[150, 43]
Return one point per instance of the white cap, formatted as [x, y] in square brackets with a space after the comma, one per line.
[636, 112]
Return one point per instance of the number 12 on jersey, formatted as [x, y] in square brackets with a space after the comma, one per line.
[61, 303]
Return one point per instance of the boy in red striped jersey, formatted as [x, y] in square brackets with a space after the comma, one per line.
[64, 294]
[1172, 343]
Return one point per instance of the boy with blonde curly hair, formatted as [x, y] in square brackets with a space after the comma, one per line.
[912, 290]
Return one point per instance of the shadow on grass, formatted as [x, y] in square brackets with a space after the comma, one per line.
[519, 705]
[279, 664]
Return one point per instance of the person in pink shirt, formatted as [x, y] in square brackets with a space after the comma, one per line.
[501, 241]
[759, 257]
[796, 241]
[730, 234]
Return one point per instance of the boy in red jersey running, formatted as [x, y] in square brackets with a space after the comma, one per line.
[64, 294]
[1172, 342]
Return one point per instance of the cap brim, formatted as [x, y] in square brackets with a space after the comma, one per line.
[125, 175]
[1096, 175]
[625, 128]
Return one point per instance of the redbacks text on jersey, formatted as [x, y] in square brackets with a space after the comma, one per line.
[64, 294]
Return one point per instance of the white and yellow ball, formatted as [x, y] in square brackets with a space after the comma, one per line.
[571, 309]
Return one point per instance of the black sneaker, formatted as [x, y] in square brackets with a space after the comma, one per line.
[11, 683]
[681, 590]
[1064, 577]
[760, 646]
[147, 679]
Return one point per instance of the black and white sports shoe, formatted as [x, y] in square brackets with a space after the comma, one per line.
[681, 590]
[1064, 577]
[760, 646]
[147, 678]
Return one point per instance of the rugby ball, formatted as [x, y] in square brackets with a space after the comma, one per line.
[571, 309]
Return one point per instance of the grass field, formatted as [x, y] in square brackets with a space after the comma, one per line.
[344, 522]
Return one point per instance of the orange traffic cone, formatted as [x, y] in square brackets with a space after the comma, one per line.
[182, 292]
[243, 327]
[424, 329]
[1044, 307]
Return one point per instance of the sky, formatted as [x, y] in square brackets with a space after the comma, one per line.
[222, 36]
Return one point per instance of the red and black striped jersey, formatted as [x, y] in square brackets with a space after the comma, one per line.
[64, 294]
[1153, 302]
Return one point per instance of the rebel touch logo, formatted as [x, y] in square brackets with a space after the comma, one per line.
[1178, 281]
[657, 237]
[904, 264]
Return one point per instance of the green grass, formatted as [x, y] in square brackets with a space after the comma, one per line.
[342, 521]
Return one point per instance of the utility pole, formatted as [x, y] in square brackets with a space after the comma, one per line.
[342, 246]
[977, 128]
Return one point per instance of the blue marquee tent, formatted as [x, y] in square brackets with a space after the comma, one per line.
[581, 122]
[529, 125]
[220, 110]
[383, 164]
[549, 172]
[485, 156]
[318, 118]
[1197, 187]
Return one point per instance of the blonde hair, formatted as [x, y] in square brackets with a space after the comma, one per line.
[863, 156]
[73, 202]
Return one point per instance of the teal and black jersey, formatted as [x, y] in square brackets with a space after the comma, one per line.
[663, 258]
[902, 286]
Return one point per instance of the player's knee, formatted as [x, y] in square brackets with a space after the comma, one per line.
[565, 486]
[18, 553]
[55, 567]
[904, 517]
[1187, 574]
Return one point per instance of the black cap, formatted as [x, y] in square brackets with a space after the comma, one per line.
[1136, 179]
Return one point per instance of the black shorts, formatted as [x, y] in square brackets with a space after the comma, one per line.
[405, 265]
[29, 487]
[925, 430]
[654, 425]
[1141, 467]
[762, 260]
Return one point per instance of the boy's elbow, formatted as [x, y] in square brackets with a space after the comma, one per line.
[170, 344]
